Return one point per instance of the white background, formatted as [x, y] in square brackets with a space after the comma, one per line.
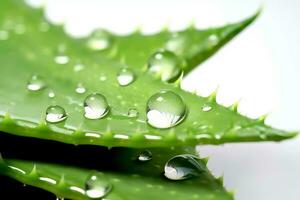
[260, 67]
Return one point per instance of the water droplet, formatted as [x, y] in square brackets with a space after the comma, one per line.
[132, 112]
[218, 136]
[213, 40]
[61, 57]
[125, 77]
[176, 43]
[36, 83]
[80, 89]
[102, 78]
[165, 65]
[145, 156]
[44, 27]
[78, 67]
[20, 29]
[95, 106]
[165, 109]
[183, 167]
[206, 108]
[97, 186]
[55, 114]
[4, 35]
[99, 40]
[51, 94]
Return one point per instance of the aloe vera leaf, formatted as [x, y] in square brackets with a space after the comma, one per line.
[130, 178]
[31, 50]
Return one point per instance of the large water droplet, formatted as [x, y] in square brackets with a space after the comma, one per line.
[184, 167]
[95, 106]
[125, 77]
[36, 83]
[97, 186]
[165, 109]
[99, 40]
[55, 114]
[166, 65]
[80, 89]
[145, 156]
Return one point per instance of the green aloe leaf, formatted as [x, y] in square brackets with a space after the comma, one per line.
[42, 67]
[121, 171]
[193, 45]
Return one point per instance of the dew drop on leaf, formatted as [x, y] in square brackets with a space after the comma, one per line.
[165, 65]
[36, 83]
[165, 109]
[176, 43]
[80, 89]
[95, 106]
[51, 94]
[125, 77]
[99, 40]
[78, 67]
[206, 108]
[144, 156]
[183, 167]
[97, 186]
[20, 29]
[55, 114]
[61, 59]
[44, 27]
[213, 40]
[132, 112]
[4, 35]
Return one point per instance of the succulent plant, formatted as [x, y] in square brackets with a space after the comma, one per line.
[119, 98]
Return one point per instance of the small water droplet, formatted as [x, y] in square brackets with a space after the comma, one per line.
[213, 40]
[145, 156]
[36, 83]
[61, 57]
[51, 94]
[20, 29]
[55, 114]
[4, 35]
[165, 65]
[102, 78]
[78, 67]
[95, 106]
[176, 43]
[125, 77]
[44, 27]
[132, 112]
[218, 136]
[97, 185]
[165, 109]
[99, 40]
[183, 167]
[206, 108]
[80, 89]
